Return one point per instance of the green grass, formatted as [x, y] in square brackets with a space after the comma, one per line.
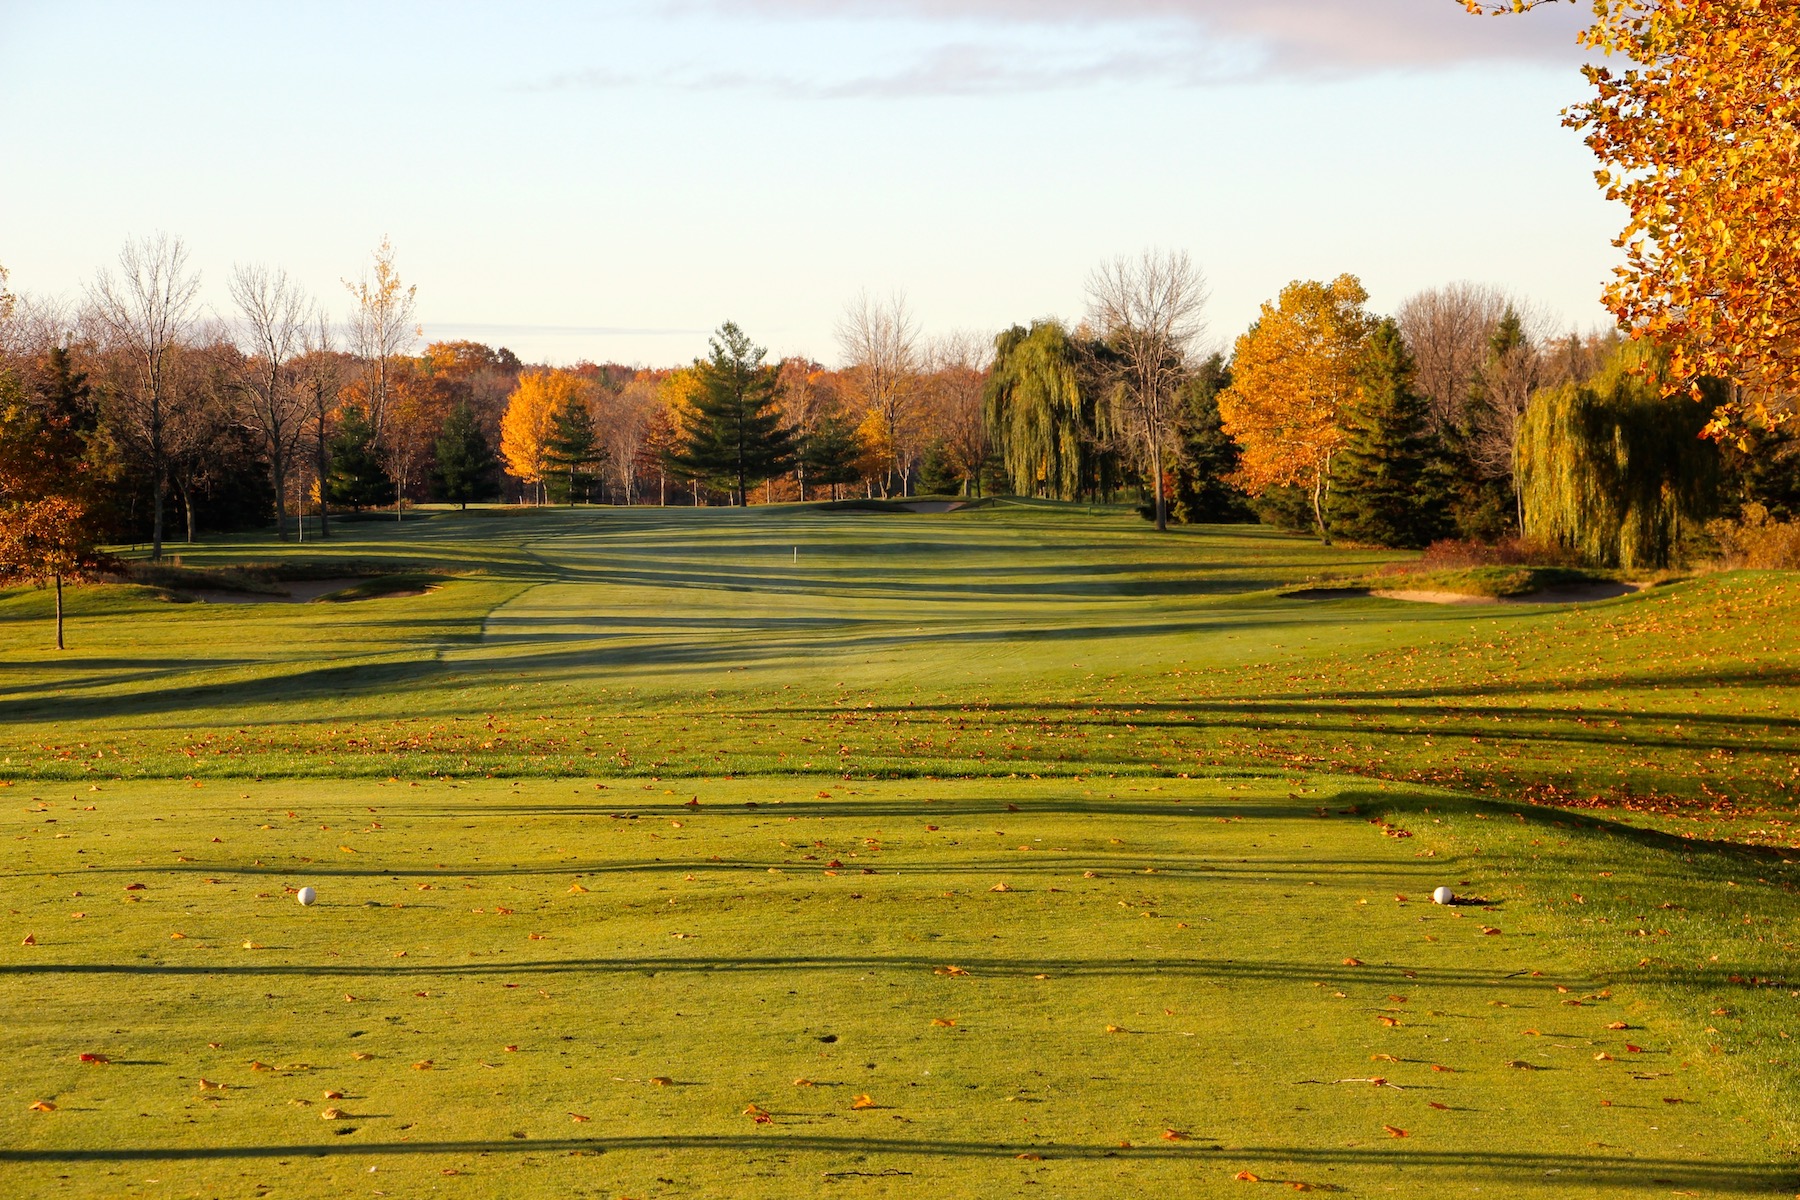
[1193, 787]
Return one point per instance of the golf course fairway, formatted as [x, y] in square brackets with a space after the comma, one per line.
[1015, 851]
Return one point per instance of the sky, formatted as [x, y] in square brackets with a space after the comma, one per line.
[611, 180]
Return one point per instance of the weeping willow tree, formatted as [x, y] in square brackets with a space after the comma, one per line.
[1613, 469]
[1038, 412]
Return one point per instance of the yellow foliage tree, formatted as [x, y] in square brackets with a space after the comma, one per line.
[1700, 139]
[530, 412]
[1291, 374]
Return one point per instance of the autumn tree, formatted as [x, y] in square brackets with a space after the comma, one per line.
[47, 529]
[883, 358]
[1148, 310]
[735, 436]
[145, 311]
[955, 396]
[530, 415]
[273, 318]
[1699, 138]
[1292, 373]
[384, 326]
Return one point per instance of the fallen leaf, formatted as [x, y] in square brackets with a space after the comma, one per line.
[361, 1055]
[1115, 1029]
[1383, 1058]
[43, 1106]
[754, 1110]
[334, 1094]
[1631, 1049]
[949, 971]
[30, 940]
[422, 1066]
[1001, 887]
[863, 1101]
[578, 1118]
[661, 1080]
[1353, 962]
[207, 1085]
[1028, 1156]
[1603, 1056]
[1247, 1177]
[1390, 1022]
[1439, 1107]
[804, 1083]
[1396, 1131]
[331, 1114]
[943, 1022]
[260, 1066]
[1617, 1025]
[1176, 1135]
[577, 888]
[94, 1058]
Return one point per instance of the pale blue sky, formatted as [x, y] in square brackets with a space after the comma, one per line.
[613, 179]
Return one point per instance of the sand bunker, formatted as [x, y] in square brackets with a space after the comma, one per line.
[1573, 594]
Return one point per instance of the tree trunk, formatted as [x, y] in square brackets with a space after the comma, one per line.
[1162, 506]
[323, 467]
[1318, 499]
[59, 611]
[187, 509]
[156, 520]
[278, 469]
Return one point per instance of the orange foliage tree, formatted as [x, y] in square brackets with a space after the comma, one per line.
[1700, 139]
[1292, 372]
[530, 412]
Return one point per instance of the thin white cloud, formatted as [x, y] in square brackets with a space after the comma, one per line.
[992, 47]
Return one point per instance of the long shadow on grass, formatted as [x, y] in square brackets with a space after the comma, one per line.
[1714, 1177]
[966, 968]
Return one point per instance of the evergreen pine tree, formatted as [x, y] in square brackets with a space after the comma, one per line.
[735, 438]
[831, 451]
[1205, 453]
[357, 477]
[1384, 488]
[570, 452]
[466, 467]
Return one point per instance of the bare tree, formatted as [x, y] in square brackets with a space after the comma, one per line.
[1148, 309]
[1508, 376]
[1447, 330]
[145, 311]
[200, 417]
[273, 318]
[882, 356]
[384, 327]
[960, 363]
[321, 377]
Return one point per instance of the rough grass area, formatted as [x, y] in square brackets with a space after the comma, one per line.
[1188, 802]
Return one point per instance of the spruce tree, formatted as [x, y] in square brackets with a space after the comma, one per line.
[735, 438]
[1384, 488]
[1205, 454]
[467, 471]
[357, 477]
[831, 452]
[570, 452]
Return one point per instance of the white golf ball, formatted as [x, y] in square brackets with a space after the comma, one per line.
[1442, 895]
[307, 895]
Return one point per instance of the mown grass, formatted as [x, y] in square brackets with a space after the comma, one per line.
[1159, 712]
